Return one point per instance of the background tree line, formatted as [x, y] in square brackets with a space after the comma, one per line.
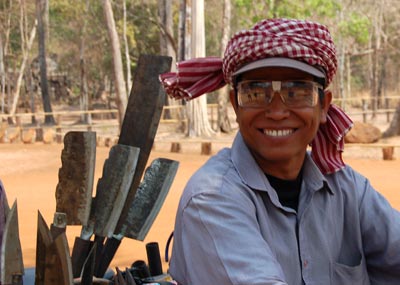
[85, 47]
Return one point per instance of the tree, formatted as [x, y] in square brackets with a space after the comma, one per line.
[198, 123]
[224, 123]
[84, 96]
[122, 98]
[40, 7]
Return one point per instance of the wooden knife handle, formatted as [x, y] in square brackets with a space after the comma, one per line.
[109, 250]
[79, 254]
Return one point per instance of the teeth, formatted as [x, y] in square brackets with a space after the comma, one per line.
[278, 133]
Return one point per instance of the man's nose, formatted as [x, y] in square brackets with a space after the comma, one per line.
[276, 109]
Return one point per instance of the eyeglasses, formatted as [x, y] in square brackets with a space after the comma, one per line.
[294, 93]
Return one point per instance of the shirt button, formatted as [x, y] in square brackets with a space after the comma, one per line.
[305, 263]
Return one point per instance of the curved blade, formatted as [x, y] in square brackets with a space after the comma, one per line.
[12, 266]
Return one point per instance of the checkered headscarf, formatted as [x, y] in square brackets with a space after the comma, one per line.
[305, 41]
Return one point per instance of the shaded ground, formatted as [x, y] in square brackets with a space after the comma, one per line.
[30, 175]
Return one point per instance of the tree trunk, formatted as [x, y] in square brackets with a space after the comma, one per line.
[224, 124]
[48, 119]
[167, 45]
[25, 57]
[127, 57]
[120, 89]
[2, 75]
[84, 96]
[197, 108]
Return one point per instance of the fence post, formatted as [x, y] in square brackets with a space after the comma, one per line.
[387, 108]
[365, 109]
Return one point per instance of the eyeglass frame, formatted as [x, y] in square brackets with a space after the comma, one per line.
[316, 85]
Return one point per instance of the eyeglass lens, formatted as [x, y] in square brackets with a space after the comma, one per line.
[296, 94]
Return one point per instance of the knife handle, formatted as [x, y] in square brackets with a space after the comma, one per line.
[79, 254]
[109, 249]
[154, 258]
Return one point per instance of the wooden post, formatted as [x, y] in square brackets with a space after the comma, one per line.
[388, 153]
[176, 147]
[365, 109]
[206, 148]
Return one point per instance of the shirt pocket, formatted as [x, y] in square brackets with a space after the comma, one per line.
[342, 274]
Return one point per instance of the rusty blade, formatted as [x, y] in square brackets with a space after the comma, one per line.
[149, 198]
[113, 187]
[75, 177]
[12, 266]
[142, 117]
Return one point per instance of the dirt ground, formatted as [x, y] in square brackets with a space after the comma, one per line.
[30, 175]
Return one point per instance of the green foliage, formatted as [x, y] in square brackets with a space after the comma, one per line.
[357, 27]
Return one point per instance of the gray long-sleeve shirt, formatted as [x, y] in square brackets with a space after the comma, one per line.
[231, 228]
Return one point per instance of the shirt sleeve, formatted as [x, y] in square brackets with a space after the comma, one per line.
[222, 243]
[380, 226]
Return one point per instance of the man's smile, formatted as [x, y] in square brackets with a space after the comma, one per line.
[278, 133]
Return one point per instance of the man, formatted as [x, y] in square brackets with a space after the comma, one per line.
[266, 211]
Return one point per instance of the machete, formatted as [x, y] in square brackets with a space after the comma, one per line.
[75, 187]
[12, 266]
[149, 198]
[111, 191]
[142, 118]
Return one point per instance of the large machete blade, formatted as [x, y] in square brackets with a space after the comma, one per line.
[113, 187]
[142, 117]
[75, 177]
[149, 198]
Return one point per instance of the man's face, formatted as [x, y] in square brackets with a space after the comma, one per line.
[278, 135]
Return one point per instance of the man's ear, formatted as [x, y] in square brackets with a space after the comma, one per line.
[325, 104]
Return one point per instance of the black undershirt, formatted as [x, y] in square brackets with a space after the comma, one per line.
[288, 190]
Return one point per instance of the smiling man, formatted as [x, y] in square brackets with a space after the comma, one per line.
[266, 210]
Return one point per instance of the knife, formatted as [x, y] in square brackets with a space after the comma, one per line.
[111, 191]
[12, 266]
[142, 117]
[74, 190]
[149, 198]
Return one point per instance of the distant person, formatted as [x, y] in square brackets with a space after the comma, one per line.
[267, 210]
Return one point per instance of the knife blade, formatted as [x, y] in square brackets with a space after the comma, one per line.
[75, 177]
[113, 187]
[12, 266]
[149, 198]
[43, 242]
[4, 210]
